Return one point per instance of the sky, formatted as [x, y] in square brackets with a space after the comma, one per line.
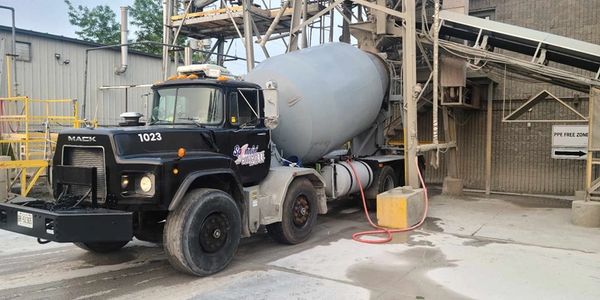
[50, 16]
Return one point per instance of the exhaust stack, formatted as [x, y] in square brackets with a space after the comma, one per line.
[120, 70]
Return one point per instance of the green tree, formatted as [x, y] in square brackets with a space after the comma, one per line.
[147, 17]
[97, 24]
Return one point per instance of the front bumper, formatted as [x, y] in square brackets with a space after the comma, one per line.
[29, 216]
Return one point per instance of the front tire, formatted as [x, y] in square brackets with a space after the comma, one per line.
[102, 247]
[299, 214]
[202, 234]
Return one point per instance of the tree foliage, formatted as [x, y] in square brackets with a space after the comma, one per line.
[147, 16]
[97, 24]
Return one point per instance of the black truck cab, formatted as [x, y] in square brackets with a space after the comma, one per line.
[202, 143]
[195, 126]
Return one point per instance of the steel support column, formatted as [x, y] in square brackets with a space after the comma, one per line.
[296, 16]
[167, 11]
[488, 139]
[304, 41]
[592, 181]
[435, 77]
[409, 67]
[347, 13]
[220, 51]
[248, 35]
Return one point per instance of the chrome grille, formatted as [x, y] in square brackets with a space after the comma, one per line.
[87, 157]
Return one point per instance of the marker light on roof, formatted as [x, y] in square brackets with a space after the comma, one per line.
[207, 70]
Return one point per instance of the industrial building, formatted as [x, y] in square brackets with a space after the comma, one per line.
[521, 152]
[52, 67]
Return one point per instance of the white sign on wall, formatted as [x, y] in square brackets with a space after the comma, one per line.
[569, 141]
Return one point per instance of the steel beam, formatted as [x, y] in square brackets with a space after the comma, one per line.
[220, 51]
[591, 181]
[167, 11]
[316, 16]
[389, 11]
[435, 72]
[304, 40]
[410, 92]
[248, 35]
[488, 139]
[275, 22]
[296, 16]
[347, 15]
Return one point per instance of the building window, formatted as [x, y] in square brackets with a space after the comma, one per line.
[486, 13]
[23, 51]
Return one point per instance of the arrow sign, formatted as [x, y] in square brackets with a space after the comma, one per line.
[573, 153]
[566, 153]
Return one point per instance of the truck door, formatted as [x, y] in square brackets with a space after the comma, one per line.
[250, 138]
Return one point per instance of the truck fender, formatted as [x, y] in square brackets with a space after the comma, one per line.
[236, 187]
[275, 186]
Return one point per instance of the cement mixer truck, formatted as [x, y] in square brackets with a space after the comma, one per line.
[217, 159]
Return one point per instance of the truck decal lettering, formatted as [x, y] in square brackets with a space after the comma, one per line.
[248, 156]
[150, 137]
[88, 139]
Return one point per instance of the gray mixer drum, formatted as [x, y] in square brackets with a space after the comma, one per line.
[327, 95]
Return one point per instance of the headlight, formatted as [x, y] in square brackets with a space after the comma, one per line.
[146, 184]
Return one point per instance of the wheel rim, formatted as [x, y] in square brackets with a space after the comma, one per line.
[388, 183]
[301, 211]
[214, 232]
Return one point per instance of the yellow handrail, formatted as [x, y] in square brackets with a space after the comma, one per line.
[24, 138]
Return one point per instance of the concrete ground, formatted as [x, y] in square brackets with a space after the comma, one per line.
[501, 247]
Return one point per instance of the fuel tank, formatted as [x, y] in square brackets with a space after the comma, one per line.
[340, 179]
[327, 95]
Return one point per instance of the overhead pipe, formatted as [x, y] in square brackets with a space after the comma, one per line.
[14, 48]
[120, 70]
[435, 72]
[166, 37]
[188, 54]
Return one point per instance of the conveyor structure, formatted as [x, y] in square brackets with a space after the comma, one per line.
[486, 35]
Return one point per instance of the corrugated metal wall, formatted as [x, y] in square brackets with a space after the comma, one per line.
[521, 153]
[521, 156]
[46, 77]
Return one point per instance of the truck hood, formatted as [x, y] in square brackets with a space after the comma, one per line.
[132, 141]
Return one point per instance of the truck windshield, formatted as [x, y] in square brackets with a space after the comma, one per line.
[187, 105]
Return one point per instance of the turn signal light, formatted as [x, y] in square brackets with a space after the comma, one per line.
[222, 78]
[181, 152]
[124, 181]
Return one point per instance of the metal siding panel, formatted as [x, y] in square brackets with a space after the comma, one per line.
[521, 159]
[45, 78]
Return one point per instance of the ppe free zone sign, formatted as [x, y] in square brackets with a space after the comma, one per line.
[569, 141]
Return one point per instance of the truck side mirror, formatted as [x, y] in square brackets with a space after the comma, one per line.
[271, 105]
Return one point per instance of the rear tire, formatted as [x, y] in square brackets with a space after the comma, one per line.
[299, 214]
[102, 247]
[385, 181]
[202, 234]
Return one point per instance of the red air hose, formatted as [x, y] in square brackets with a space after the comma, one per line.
[382, 230]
